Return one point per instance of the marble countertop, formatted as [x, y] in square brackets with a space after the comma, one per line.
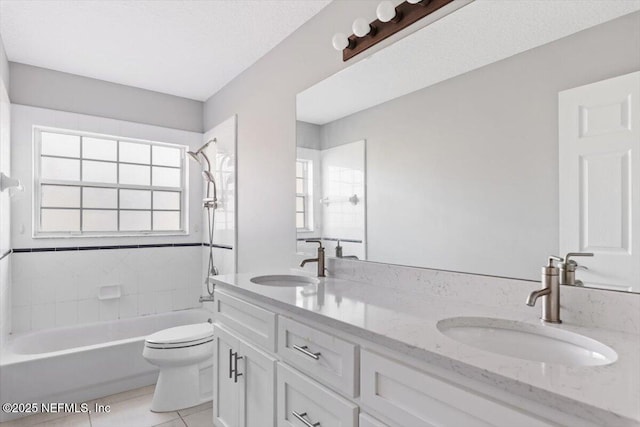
[406, 322]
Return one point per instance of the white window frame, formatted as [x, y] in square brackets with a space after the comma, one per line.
[37, 233]
[307, 195]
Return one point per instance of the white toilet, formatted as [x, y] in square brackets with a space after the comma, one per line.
[184, 355]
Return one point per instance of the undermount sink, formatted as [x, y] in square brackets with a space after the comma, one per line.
[539, 343]
[285, 280]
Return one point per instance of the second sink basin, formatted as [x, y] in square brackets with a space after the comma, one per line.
[527, 341]
[285, 280]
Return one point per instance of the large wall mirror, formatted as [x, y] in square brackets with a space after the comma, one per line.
[483, 148]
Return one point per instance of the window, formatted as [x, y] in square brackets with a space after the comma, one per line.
[88, 185]
[304, 192]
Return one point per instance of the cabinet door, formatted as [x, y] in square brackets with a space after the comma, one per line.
[257, 387]
[226, 398]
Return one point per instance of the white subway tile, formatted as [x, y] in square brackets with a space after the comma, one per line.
[66, 313]
[88, 311]
[128, 306]
[43, 316]
[109, 309]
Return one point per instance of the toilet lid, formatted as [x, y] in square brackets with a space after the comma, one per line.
[182, 334]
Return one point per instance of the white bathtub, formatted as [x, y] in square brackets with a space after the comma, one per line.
[79, 363]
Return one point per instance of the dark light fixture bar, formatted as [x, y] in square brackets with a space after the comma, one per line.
[406, 14]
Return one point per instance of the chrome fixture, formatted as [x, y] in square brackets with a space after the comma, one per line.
[305, 350]
[210, 203]
[550, 292]
[7, 183]
[568, 269]
[340, 255]
[319, 259]
[301, 417]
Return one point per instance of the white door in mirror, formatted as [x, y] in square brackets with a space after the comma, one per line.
[599, 131]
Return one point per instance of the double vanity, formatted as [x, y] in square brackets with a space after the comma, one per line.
[295, 350]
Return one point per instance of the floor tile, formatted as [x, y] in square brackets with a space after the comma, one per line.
[31, 420]
[133, 412]
[199, 408]
[199, 419]
[174, 423]
[75, 420]
[125, 395]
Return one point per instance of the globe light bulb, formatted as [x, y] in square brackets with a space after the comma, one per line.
[339, 41]
[386, 11]
[361, 27]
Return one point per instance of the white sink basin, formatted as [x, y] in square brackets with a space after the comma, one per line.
[539, 343]
[285, 280]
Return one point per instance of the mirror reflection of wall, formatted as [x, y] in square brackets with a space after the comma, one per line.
[330, 194]
[463, 173]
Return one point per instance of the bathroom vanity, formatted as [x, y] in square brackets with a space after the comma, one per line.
[346, 353]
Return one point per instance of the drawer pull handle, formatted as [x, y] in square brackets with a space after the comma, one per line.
[302, 418]
[305, 350]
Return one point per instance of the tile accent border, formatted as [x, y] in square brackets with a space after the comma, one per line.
[6, 254]
[96, 248]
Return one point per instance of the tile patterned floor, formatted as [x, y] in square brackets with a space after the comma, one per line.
[128, 409]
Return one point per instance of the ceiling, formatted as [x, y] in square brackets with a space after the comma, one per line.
[458, 43]
[184, 48]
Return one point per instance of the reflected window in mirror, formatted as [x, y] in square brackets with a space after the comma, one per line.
[304, 195]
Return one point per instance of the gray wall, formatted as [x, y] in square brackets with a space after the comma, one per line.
[41, 87]
[4, 65]
[308, 135]
[465, 173]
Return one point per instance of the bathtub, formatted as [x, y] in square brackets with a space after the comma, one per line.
[80, 363]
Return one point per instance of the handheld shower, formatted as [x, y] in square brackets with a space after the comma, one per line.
[210, 204]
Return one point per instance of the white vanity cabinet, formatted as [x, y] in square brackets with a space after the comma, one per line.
[275, 369]
[414, 398]
[244, 382]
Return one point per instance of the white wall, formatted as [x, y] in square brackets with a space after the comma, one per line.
[5, 215]
[60, 288]
[41, 87]
[5, 209]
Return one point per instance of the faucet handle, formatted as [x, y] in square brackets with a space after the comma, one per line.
[574, 254]
[553, 258]
[318, 241]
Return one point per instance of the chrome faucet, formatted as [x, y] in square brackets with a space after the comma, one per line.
[568, 269]
[319, 259]
[550, 292]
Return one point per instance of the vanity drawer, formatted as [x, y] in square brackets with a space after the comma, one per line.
[329, 359]
[301, 397]
[413, 398]
[254, 323]
[368, 421]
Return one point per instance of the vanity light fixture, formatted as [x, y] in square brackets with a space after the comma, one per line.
[391, 19]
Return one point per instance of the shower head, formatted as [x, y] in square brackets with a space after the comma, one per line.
[194, 156]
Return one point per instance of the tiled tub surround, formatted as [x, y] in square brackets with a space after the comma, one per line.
[60, 288]
[402, 318]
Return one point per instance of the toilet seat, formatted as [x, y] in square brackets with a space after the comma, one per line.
[181, 336]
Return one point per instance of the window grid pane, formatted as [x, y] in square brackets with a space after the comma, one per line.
[69, 161]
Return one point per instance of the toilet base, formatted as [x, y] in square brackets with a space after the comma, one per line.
[182, 387]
